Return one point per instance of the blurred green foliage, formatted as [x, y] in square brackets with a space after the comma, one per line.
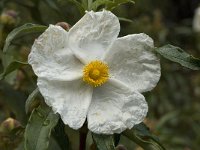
[174, 114]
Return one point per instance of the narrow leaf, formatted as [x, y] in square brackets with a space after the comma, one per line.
[96, 4]
[23, 30]
[38, 130]
[30, 99]
[117, 3]
[85, 4]
[79, 6]
[104, 142]
[12, 67]
[141, 135]
[53, 5]
[177, 55]
[90, 4]
[125, 19]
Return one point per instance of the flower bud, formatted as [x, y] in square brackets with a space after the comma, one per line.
[9, 18]
[64, 25]
[196, 21]
[9, 124]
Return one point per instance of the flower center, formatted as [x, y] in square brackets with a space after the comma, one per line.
[96, 73]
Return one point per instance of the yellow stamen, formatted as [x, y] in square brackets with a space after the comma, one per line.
[96, 73]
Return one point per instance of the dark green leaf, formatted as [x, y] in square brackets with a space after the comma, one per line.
[12, 67]
[176, 54]
[104, 142]
[31, 98]
[23, 30]
[38, 130]
[141, 135]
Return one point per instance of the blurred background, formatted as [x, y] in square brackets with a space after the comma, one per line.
[174, 105]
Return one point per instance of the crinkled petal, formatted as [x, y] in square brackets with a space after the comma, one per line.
[131, 60]
[51, 57]
[70, 99]
[90, 37]
[114, 108]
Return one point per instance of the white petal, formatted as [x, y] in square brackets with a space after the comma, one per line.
[70, 99]
[131, 60]
[90, 37]
[50, 56]
[115, 108]
[196, 20]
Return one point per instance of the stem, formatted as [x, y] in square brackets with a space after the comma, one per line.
[82, 137]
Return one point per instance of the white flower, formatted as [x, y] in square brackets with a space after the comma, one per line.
[90, 73]
[196, 20]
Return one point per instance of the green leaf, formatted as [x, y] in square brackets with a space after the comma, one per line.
[141, 135]
[31, 99]
[104, 142]
[23, 30]
[177, 55]
[39, 127]
[12, 67]
[116, 3]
